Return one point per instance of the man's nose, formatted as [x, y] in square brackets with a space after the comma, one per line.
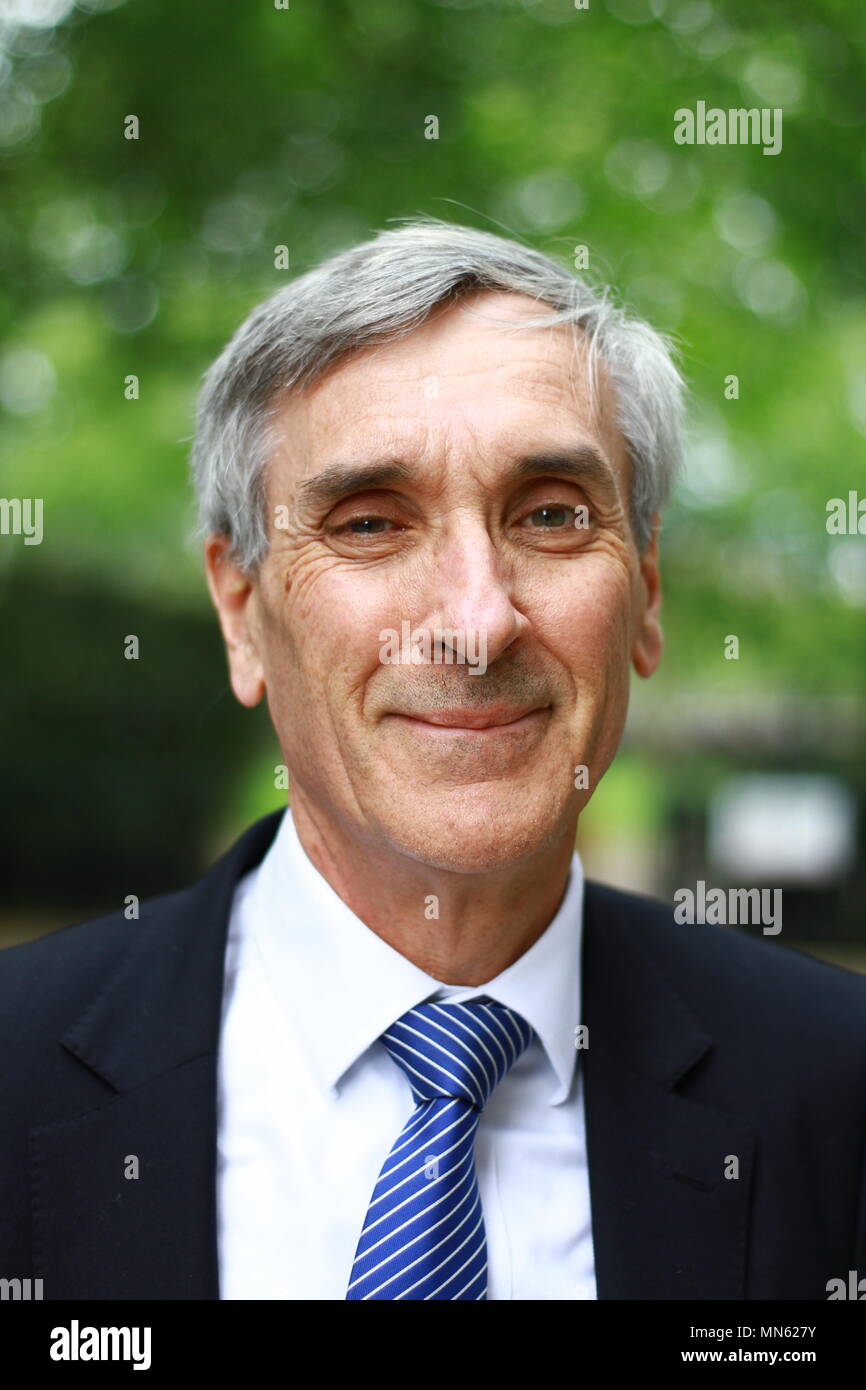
[471, 591]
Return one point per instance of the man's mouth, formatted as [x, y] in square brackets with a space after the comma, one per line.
[489, 719]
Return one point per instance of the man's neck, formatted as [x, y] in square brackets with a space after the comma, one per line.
[460, 928]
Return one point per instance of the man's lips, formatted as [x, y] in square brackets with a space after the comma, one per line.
[490, 717]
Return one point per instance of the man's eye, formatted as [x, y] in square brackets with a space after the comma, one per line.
[551, 517]
[365, 525]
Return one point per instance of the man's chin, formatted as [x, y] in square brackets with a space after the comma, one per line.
[474, 838]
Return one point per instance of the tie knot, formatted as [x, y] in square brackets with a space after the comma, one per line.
[457, 1050]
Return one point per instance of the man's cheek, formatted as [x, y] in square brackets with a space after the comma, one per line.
[599, 637]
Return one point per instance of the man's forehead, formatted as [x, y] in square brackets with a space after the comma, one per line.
[468, 408]
[476, 356]
[497, 433]
[459, 342]
[472, 372]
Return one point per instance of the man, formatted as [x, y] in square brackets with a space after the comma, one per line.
[393, 1045]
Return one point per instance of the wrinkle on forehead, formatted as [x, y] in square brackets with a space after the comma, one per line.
[486, 368]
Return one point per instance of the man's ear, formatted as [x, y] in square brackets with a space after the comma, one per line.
[648, 640]
[234, 596]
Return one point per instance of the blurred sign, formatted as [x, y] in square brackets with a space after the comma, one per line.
[786, 826]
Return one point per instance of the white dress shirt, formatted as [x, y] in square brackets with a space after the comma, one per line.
[310, 1102]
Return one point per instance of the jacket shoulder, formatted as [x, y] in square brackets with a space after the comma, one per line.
[48, 975]
[728, 973]
[74, 961]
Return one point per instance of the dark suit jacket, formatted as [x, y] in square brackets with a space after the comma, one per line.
[705, 1045]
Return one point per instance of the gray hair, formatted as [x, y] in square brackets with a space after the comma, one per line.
[380, 291]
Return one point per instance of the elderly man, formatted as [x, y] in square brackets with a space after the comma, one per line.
[394, 1045]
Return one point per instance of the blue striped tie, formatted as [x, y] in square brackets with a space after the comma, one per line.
[423, 1236]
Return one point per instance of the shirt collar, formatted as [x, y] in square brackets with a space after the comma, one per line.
[342, 985]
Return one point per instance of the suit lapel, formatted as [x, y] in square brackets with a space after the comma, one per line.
[152, 1037]
[667, 1223]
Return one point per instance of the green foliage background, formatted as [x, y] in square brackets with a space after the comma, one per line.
[305, 127]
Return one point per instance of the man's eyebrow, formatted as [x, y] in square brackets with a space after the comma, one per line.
[582, 464]
[341, 479]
